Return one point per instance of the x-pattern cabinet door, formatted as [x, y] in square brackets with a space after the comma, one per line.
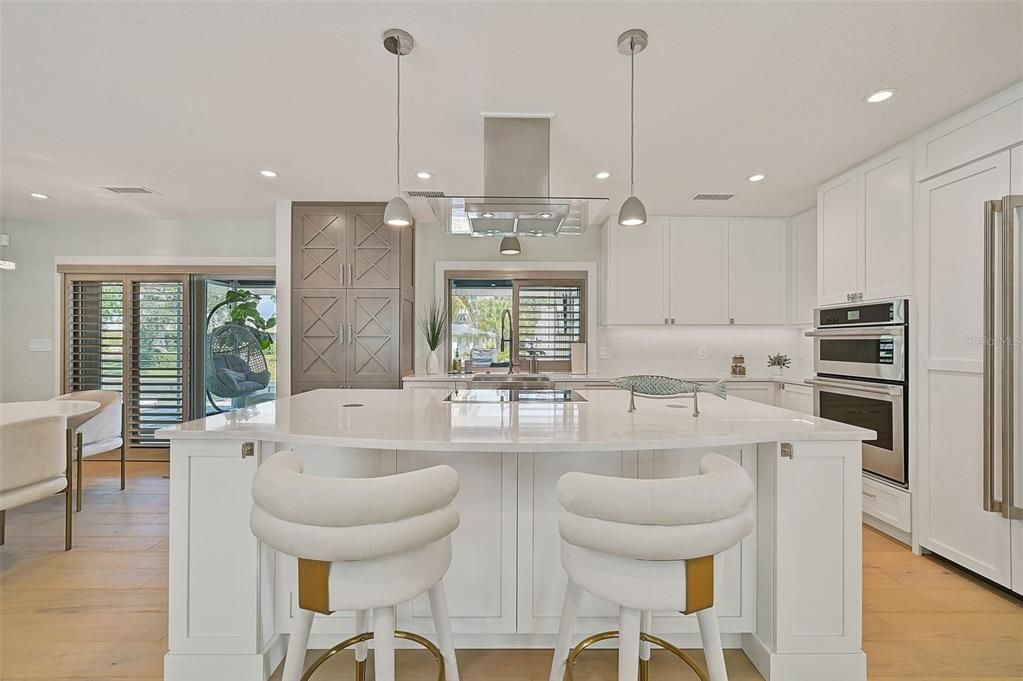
[319, 246]
[373, 348]
[373, 249]
[318, 340]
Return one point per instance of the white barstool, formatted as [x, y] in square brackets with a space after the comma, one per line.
[364, 544]
[98, 431]
[649, 546]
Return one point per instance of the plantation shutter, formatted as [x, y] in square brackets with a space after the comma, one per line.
[128, 333]
[550, 320]
[94, 335]
[158, 366]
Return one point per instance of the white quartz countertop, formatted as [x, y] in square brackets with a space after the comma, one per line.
[607, 376]
[422, 420]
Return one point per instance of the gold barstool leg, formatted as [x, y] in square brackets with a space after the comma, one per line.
[122, 464]
[360, 668]
[643, 669]
[67, 493]
[79, 446]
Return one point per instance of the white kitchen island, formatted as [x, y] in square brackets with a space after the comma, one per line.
[789, 595]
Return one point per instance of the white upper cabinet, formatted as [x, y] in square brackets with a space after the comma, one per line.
[888, 224]
[804, 267]
[865, 230]
[636, 272]
[756, 271]
[698, 271]
[838, 240]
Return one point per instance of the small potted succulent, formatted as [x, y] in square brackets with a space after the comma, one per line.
[434, 325]
[779, 363]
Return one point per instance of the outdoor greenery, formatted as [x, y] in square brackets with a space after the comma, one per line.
[483, 313]
[243, 304]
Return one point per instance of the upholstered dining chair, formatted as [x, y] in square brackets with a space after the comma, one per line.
[35, 462]
[98, 431]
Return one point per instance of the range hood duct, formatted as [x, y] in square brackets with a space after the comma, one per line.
[516, 197]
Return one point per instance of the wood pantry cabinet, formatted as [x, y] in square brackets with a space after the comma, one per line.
[352, 297]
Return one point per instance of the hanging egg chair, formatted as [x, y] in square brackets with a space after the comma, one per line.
[235, 364]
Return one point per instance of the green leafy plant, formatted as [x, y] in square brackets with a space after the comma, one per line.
[244, 312]
[434, 325]
[779, 360]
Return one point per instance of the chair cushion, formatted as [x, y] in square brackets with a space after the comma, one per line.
[360, 542]
[722, 490]
[101, 447]
[26, 494]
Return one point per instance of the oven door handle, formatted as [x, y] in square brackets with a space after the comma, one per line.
[877, 331]
[853, 385]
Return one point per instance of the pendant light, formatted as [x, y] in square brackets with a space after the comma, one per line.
[632, 212]
[397, 214]
[510, 246]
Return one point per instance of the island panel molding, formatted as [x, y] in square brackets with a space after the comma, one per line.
[790, 594]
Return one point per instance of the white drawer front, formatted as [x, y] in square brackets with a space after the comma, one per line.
[887, 504]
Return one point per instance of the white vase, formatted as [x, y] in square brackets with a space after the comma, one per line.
[432, 363]
[778, 371]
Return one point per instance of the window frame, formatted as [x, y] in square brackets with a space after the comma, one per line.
[519, 278]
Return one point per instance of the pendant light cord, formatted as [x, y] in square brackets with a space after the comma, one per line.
[397, 163]
[632, 116]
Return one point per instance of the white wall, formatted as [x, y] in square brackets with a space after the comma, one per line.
[28, 294]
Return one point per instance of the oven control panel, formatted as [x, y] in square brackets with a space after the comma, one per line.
[863, 314]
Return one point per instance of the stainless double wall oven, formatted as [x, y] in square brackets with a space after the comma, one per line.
[862, 372]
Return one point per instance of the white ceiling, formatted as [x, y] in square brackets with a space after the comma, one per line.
[191, 99]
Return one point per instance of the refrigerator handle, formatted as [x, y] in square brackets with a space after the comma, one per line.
[1009, 206]
[991, 208]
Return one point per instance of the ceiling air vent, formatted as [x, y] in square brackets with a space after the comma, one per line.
[712, 197]
[130, 190]
[425, 195]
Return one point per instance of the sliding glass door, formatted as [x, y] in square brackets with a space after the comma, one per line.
[128, 333]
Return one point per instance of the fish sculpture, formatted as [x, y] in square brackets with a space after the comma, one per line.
[663, 387]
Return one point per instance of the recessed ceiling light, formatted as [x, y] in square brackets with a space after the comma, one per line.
[602, 175]
[546, 216]
[536, 232]
[37, 195]
[424, 175]
[488, 215]
[879, 96]
[757, 177]
[265, 172]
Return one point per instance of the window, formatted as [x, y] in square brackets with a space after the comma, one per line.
[547, 308]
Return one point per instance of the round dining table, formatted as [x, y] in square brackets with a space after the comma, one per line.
[11, 412]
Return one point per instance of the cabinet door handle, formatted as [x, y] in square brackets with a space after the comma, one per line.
[351, 274]
[665, 320]
[870, 495]
[672, 320]
[351, 334]
[731, 320]
[786, 450]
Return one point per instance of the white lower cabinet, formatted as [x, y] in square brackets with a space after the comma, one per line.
[748, 390]
[891, 505]
[795, 397]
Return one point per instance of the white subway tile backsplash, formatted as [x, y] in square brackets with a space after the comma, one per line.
[677, 350]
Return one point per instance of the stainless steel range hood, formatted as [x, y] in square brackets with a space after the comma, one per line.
[516, 197]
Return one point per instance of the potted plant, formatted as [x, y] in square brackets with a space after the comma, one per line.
[778, 362]
[434, 325]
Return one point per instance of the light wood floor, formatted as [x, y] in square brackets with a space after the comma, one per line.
[100, 610]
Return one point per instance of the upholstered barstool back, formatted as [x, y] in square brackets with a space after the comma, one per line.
[363, 544]
[649, 546]
[97, 431]
[34, 464]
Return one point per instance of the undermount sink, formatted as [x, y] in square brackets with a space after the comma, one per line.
[513, 381]
[518, 378]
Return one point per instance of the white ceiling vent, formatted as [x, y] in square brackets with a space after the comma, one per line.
[712, 197]
[130, 190]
